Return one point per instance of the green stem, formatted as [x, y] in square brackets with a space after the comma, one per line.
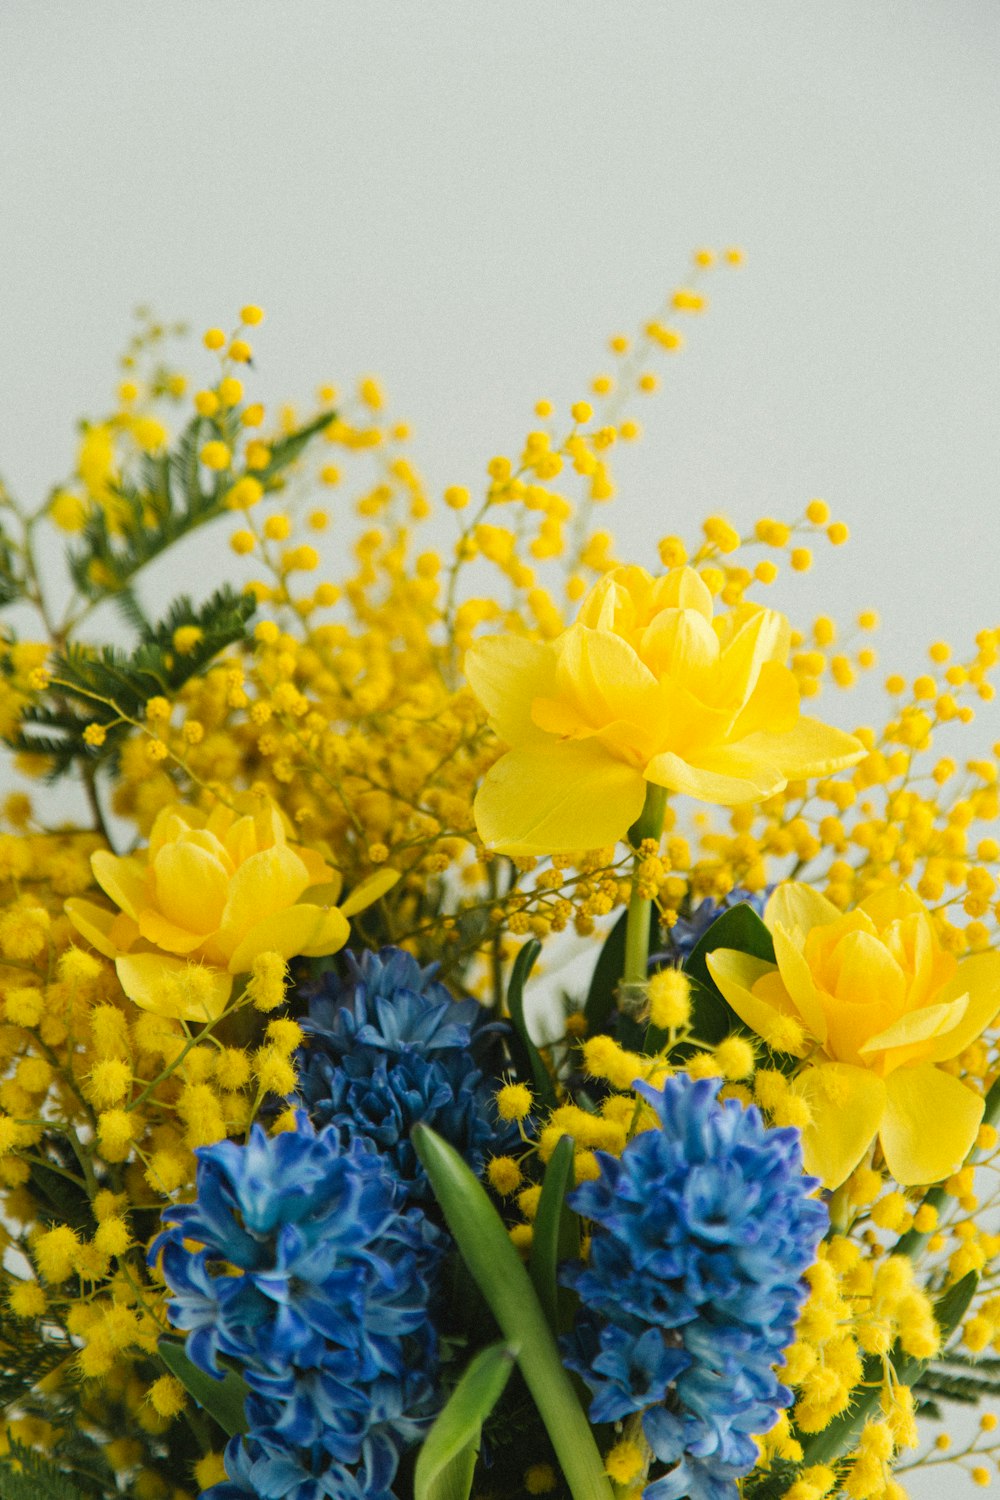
[648, 826]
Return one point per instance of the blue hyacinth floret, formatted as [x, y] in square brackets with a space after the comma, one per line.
[389, 1047]
[701, 1234]
[328, 1314]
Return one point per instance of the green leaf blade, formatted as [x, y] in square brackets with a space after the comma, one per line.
[223, 1399]
[494, 1263]
[556, 1237]
[447, 1460]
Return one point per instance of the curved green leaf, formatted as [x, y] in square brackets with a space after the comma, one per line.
[222, 1399]
[556, 1237]
[486, 1249]
[527, 1059]
[447, 1460]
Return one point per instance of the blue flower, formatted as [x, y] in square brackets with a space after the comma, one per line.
[701, 1234]
[318, 1280]
[390, 1047]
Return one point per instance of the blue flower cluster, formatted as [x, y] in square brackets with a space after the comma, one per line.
[701, 1234]
[319, 1281]
[389, 1047]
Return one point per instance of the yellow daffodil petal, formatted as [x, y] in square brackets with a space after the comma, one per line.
[811, 748]
[979, 976]
[565, 795]
[95, 923]
[156, 929]
[773, 706]
[267, 882]
[170, 987]
[918, 1026]
[760, 636]
[930, 1124]
[890, 904]
[507, 673]
[123, 879]
[846, 1105]
[798, 981]
[310, 931]
[370, 890]
[736, 974]
[798, 907]
[317, 869]
[682, 588]
[191, 886]
[600, 675]
[680, 643]
[726, 777]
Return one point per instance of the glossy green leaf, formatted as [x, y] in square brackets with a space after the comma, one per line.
[526, 1056]
[222, 1399]
[485, 1246]
[556, 1237]
[447, 1460]
[712, 1018]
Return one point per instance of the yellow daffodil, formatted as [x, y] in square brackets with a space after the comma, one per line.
[646, 687]
[874, 1004]
[208, 896]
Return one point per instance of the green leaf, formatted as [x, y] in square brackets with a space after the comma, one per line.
[526, 1057]
[168, 502]
[35, 1478]
[105, 686]
[712, 1017]
[222, 1399]
[447, 1460]
[556, 1238]
[485, 1246]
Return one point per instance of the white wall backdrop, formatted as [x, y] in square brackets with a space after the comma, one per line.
[467, 198]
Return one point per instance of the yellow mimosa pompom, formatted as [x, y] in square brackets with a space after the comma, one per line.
[669, 999]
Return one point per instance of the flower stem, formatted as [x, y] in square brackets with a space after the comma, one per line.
[649, 825]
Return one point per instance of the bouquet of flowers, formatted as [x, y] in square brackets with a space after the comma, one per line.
[318, 1182]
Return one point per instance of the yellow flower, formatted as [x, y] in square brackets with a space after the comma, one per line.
[645, 687]
[205, 899]
[878, 1004]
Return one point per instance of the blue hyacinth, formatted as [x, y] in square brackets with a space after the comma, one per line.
[701, 1234]
[329, 1320]
[388, 1047]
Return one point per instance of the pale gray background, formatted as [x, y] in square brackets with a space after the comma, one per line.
[466, 198]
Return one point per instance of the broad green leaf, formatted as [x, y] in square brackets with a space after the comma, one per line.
[712, 1018]
[223, 1399]
[556, 1237]
[447, 1460]
[486, 1248]
[527, 1059]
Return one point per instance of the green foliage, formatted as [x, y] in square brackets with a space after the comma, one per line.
[35, 1478]
[24, 1362]
[169, 501]
[447, 1460]
[525, 1055]
[485, 1246]
[11, 581]
[556, 1238]
[223, 1399]
[967, 1379]
[111, 687]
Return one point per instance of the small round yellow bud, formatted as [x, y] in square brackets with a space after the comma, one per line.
[251, 315]
[214, 338]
